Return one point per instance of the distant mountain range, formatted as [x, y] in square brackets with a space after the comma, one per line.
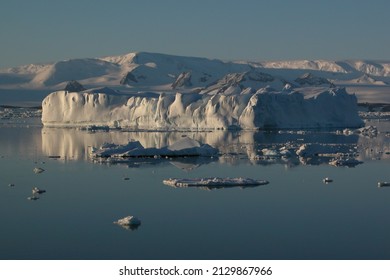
[142, 71]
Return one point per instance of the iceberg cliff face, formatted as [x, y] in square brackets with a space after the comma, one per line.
[263, 109]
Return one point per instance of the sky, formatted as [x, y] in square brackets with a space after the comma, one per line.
[47, 31]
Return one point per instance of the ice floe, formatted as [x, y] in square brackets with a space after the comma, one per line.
[214, 182]
[368, 131]
[12, 113]
[317, 149]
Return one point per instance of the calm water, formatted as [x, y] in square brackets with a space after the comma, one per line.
[296, 216]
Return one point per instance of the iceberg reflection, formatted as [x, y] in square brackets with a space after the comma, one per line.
[288, 147]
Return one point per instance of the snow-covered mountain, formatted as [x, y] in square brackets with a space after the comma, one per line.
[144, 72]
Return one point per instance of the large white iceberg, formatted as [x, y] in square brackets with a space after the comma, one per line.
[265, 108]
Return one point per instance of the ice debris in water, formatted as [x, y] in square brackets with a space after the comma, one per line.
[383, 184]
[35, 193]
[369, 131]
[37, 190]
[345, 161]
[215, 181]
[327, 180]
[129, 222]
[38, 170]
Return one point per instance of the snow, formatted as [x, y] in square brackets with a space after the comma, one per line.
[265, 108]
[73, 69]
[213, 182]
[182, 148]
[144, 72]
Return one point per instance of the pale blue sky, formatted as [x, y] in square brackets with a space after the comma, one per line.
[45, 31]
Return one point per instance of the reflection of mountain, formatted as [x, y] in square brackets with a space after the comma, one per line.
[259, 147]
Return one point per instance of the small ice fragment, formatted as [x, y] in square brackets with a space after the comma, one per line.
[129, 222]
[327, 180]
[36, 190]
[38, 170]
[383, 184]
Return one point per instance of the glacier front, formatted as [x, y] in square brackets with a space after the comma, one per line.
[232, 109]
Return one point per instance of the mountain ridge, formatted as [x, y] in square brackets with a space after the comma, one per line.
[146, 71]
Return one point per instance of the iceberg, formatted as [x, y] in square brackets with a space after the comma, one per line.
[263, 109]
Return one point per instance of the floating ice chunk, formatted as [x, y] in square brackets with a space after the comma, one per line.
[369, 131]
[327, 180]
[111, 149]
[314, 149]
[270, 153]
[213, 182]
[345, 161]
[284, 152]
[38, 170]
[129, 222]
[383, 184]
[37, 190]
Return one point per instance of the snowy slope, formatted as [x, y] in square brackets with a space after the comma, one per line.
[144, 72]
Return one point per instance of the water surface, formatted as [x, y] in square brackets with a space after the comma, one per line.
[296, 216]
